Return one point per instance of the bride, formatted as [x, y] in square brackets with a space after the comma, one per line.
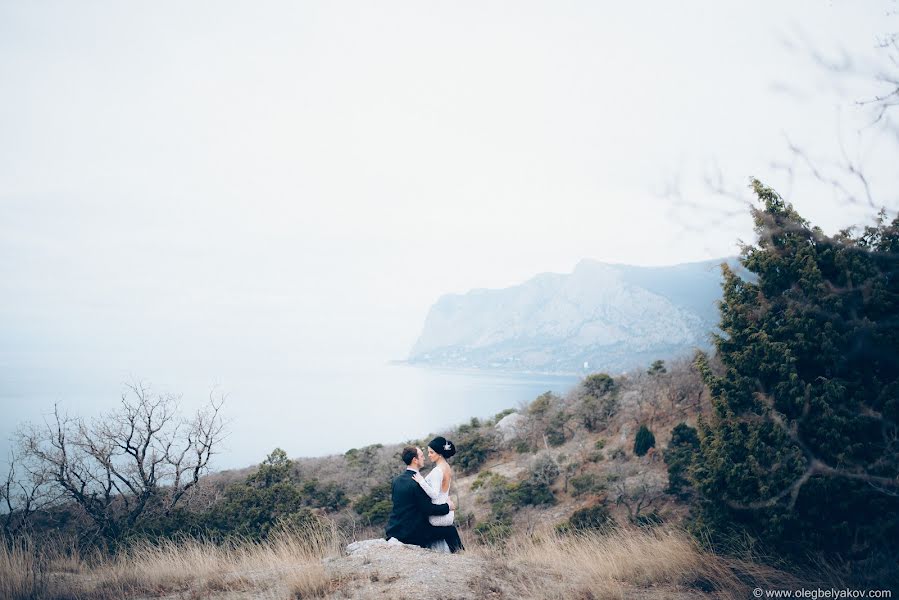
[437, 485]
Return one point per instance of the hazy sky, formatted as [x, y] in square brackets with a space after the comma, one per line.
[197, 186]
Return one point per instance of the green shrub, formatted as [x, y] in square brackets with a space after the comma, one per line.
[276, 468]
[484, 479]
[590, 518]
[330, 496]
[596, 456]
[650, 519]
[533, 493]
[584, 484]
[493, 532]
[252, 513]
[542, 405]
[598, 384]
[657, 368]
[544, 469]
[364, 456]
[374, 507]
[503, 414]
[473, 449]
[524, 447]
[643, 441]
[679, 456]
[594, 412]
[795, 451]
[556, 433]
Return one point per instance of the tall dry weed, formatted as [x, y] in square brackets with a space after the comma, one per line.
[612, 563]
[288, 564]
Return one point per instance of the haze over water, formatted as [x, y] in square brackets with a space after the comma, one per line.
[310, 412]
[268, 198]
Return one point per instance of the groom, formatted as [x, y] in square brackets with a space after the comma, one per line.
[411, 506]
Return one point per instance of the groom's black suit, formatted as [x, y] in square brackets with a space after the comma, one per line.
[411, 508]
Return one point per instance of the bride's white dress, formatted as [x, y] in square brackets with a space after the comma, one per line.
[433, 486]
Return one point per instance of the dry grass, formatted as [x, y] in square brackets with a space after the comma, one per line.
[20, 570]
[619, 563]
[614, 563]
[288, 565]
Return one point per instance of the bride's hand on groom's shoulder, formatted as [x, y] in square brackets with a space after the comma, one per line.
[417, 477]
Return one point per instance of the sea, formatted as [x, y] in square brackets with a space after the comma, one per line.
[307, 411]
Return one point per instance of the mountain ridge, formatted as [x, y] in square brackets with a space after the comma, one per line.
[600, 316]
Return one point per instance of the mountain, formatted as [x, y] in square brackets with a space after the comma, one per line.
[601, 316]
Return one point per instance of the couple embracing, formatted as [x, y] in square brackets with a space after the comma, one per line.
[422, 513]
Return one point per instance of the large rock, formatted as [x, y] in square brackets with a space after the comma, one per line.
[510, 425]
[363, 546]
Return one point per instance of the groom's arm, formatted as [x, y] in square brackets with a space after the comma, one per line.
[425, 506]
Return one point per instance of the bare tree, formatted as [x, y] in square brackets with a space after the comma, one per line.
[26, 490]
[143, 456]
[637, 494]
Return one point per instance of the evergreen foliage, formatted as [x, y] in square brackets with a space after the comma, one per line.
[473, 448]
[679, 456]
[801, 449]
[374, 507]
[657, 368]
[591, 517]
[598, 384]
[643, 441]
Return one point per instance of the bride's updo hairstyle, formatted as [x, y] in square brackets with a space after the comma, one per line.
[442, 446]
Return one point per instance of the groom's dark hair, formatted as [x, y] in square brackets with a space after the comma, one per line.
[409, 452]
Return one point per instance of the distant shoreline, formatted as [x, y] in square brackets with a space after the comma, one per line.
[487, 370]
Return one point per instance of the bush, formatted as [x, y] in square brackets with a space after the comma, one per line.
[253, 513]
[584, 484]
[617, 454]
[643, 441]
[544, 470]
[598, 384]
[507, 497]
[274, 469]
[484, 479]
[650, 519]
[503, 414]
[556, 435]
[362, 457]
[590, 518]
[330, 496]
[532, 493]
[679, 456]
[374, 507]
[493, 531]
[795, 452]
[473, 449]
[594, 412]
[657, 368]
[524, 447]
[542, 405]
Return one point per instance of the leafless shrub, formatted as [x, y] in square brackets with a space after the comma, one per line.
[142, 457]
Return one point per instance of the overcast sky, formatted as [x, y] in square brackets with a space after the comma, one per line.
[258, 183]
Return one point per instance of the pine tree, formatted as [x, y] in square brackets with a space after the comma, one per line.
[643, 441]
[802, 449]
[679, 456]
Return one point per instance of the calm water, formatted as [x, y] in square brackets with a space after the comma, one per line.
[308, 412]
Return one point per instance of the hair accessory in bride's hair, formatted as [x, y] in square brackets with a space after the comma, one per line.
[442, 446]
